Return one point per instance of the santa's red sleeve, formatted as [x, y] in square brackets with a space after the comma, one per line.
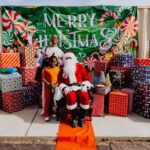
[85, 74]
[86, 78]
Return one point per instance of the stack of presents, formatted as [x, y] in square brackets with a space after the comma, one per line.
[119, 88]
[18, 89]
[122, 87]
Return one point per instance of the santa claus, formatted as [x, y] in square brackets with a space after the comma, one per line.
[75, 85]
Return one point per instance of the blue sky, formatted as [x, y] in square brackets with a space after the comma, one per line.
[74, 2]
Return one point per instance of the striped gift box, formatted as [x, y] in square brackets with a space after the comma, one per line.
[12, 101]
[118, 103]
[142, 61]
[28, 57]
[9, 60]
[28, 74]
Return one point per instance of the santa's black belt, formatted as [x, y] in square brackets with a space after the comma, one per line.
[77, 84]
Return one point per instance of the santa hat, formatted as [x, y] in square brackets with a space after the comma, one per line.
[69, 53]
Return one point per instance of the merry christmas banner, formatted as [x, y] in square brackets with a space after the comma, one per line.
[87, 31]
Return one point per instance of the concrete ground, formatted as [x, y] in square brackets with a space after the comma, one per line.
[27, 130]
[29, 123]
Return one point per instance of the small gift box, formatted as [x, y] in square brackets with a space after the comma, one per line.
[118, 103]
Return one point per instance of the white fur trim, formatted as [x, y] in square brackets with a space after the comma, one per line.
[87, 84]
[72, 78]
[85, 106]
[58, 94]
[71, 107]
[61, 86]
[72, 55]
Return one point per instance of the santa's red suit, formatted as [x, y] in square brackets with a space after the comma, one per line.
[75, 83]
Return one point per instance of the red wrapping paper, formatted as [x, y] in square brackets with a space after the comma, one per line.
[28, 74]
[12, 101]
[118, 103]
[142, 61]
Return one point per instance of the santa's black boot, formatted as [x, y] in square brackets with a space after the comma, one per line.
[74, 121]
[82, 115]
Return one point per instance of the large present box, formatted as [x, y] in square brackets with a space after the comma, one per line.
[102, 90]
[142, 61]
[98, 105]
[30, 95]
[10, 82]
[123, 60]
[142, 99]
[28, 74]
[131, 97]
[9, 60]
[28, 56]
[12, 101]
[141, 73]
[118, 103]
[99, 66]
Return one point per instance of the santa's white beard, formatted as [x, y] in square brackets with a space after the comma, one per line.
[70, 69]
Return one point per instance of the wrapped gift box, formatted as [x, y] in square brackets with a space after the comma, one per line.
[10, 82]
[142, 99]
[37, 90]
[28, 57]
[119, 68]
[9, 60]
[142, 61]
[99, 66]
[141, 73]
[117, 78]
[30, 95]
[102, 90]
[12, 101]
[28, 74]
[98, 105]
[118, 103]
[125, 60]
[131, 97]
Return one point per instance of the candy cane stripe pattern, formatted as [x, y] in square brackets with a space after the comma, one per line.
[7, 38]
[106, 14]
[9, 18]
[89, 62]
[35, 44]
[130, 26]
[29, 27]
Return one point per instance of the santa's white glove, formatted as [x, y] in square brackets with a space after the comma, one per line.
[75, 88]
[67, 90]
[87, 84]
[84, 89]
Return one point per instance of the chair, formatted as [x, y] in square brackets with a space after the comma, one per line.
[62, 110]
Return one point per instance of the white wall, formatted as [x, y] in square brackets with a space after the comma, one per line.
[75, 2]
